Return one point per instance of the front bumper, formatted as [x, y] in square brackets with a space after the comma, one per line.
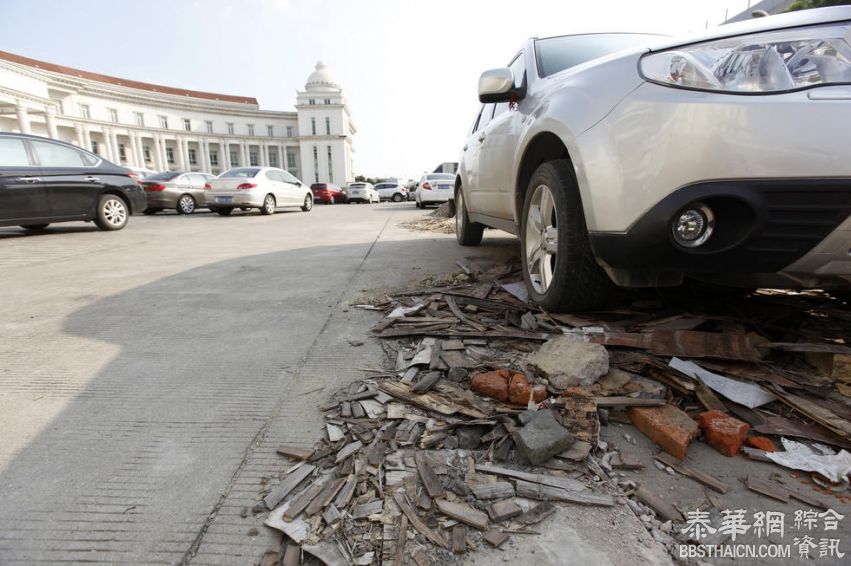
[800, 226]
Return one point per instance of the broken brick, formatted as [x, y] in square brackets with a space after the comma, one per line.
[492, 384]
[519, 390]
[667, 426]
[723, 432]
[762, 443]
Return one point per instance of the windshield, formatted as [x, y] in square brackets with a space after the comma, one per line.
[440, 177]
[556, 54]
[357, 186]
[318, 186]
[167, 176]
[244, 172]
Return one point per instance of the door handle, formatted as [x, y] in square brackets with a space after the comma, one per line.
[482, 136]
[29, 179]
[93, 179]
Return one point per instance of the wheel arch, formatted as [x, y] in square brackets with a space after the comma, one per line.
[544, 146]
[119, 194]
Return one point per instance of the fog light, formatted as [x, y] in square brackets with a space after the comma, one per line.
[694, 225]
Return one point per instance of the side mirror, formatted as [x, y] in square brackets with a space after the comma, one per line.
[496, 85]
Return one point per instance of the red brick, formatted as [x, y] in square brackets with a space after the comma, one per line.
[492, 384]
[761, 442]
[667, 426]
[723, 432]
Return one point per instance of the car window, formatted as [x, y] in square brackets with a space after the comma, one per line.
[56, 155]
[288, 177]
[241, 172]
[13, 153]
[273, 176]
[197, 180]
[440, 177]
[476, 123]
[518, 69]
[487, 115]
[556, 54]
[161, 176]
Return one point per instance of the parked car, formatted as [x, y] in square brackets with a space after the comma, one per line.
[265, 188]
[362, 192]
[391, 191]
[43, 181]
[329, 193]
[141, 172]
[181, 191]
[632, 160]
[434, 188]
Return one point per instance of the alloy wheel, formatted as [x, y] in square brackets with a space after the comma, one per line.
[269, 204]
[541, 239]
[186, 204]
[114, 211]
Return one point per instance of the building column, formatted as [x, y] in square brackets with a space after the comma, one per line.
[224, 157]
[113, 135]
[244, 159]
[181, 161]
[79, 139]
[23, 118]
[107, 145]
[135, 156]
[166, 164]
[264, 154]
[208, 165]
[87, 138]
[50, 120]
[158, 153]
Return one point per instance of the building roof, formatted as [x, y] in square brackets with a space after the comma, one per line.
[322, 79]
[77, 73]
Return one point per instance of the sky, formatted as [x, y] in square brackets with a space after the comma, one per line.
[409, 69]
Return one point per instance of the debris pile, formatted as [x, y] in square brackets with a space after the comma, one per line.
[491, 410]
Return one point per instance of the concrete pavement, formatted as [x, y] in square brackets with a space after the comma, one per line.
[147, 375]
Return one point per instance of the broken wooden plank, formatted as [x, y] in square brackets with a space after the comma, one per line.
[304, 498]
[409, 512]
[364, 510]
[335, 433]
[292, 556]
[401, 539]
[502, 510]
[548, 493]
[516, 334]
[426, 382]
[324, 497]
[434, 361]
[536, 514]
[425, 401]
[288, 484]
[708, 399]
[298, 530]
[459, 539]
[665, 510]
[346, 492]
[428, 477]
[495, 538]
[544, 479]
[769, 489]
[495, 490]
[622, 461]
[295, 452]
[695, 474]
[348, 450]
[453, 306]
[463, 513]
[331, 515]
[688, 344]
[818, 413]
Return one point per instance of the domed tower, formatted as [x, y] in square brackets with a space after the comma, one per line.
[325, 130]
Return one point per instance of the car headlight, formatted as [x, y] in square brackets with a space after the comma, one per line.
[776, 61]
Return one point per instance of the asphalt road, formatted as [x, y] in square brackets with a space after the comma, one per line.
[148, 375]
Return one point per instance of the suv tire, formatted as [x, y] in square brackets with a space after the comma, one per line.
[565, 276]
[466, 232]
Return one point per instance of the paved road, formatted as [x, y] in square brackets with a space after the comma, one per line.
[147, 376]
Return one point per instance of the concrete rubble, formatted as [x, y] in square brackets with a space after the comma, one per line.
[489, 414]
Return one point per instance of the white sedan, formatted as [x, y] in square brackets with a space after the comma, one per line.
[362, 192]
[266, 188]
[435, 188]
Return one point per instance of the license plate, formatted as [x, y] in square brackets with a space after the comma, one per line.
[444, 187]
[224, 200]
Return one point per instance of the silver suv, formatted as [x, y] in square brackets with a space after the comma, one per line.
[626, 160]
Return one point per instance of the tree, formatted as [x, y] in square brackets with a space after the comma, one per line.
[808, 4]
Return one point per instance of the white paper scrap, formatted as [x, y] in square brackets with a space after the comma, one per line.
[748, 394]
[799, 456]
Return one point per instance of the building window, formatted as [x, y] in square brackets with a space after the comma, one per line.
[164, 122]
[214, 157]
[169, 155]
[209, 126]
[234, 159]
[273, 158]
[140, 118]
[230, 128]
[289, 131]
[291, 161]
[252, 159]
[187, 124]
[122, 152]
[330, 167]
[85, 111]
[270, 131]
[95, 147]
[327, 101]
[193, 157]
[250, 129]
[328, 126]
[113, 115]
[315, 164]
[312, 101]
[313, 126]
[146, 150]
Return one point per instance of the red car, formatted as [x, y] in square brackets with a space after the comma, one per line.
[327, 193]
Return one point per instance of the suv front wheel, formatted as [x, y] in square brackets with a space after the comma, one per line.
[558, 264]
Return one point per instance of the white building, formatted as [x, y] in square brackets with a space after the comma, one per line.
[164, 128]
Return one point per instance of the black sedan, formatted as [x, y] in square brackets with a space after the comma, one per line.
[43, 181]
